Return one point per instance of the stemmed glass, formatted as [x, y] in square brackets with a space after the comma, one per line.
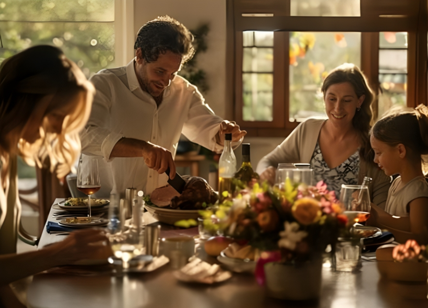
[356, 202]
[88, 179]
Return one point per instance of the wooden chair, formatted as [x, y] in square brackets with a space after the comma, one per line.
[49, 188]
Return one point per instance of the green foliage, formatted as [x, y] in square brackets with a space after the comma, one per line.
[190, 71]
[25, 171]
[83, 29]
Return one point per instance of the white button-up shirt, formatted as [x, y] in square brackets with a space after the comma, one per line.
[122, 109]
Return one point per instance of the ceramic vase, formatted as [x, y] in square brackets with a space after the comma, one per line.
[294, 282]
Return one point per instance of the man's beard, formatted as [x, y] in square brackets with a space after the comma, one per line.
[146, 87]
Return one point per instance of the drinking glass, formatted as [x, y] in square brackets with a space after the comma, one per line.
[355, 200]
[127, 243]
[88, 179]
[296, 175]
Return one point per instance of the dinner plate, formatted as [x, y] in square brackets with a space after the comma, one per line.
[367, 231]
[82, 222]
[81, 203]
[237, 265]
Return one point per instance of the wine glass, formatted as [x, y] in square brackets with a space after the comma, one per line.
[88, 179]
[355, 200]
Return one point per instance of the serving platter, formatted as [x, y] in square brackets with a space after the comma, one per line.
[171, 216]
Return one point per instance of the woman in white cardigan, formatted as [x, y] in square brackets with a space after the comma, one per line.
[44, 102]
[338, 149]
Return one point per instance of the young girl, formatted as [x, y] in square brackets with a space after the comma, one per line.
[399, 140]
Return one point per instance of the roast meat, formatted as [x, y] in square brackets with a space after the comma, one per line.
[162, 196]
[196, 192]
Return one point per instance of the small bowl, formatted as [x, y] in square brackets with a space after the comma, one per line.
[403, 271]
[170, 216]
[237, 265]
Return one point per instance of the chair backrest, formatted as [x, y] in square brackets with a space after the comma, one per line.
[72, 186]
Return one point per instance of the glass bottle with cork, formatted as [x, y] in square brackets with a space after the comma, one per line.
[227, 168]
[246, 174]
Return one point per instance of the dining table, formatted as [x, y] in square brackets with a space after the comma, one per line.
[98, 286]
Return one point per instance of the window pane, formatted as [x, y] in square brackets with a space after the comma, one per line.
[393, 40]
[325, 8]
[257, 97]
[57, 10]
[248, 38]
[392, 61]
[393, 91]
[312, 56]
[263, 38]
[258, 60]
[90, 45]
[392, 70]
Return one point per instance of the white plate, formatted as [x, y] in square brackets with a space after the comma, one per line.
[237, 265]
[81, 203]
[82, 222]
[152, 263]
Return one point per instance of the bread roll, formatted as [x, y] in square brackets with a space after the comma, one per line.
[384, 252]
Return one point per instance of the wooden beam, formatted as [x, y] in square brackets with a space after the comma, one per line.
[326, 24]
[370, 64]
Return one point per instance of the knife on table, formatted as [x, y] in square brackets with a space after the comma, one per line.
[177, 183]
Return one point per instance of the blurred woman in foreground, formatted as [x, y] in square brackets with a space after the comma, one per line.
[44, 102]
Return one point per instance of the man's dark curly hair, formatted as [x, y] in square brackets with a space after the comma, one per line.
[162, 34]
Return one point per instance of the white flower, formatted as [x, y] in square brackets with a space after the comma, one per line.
[291, 236]
[239, 203]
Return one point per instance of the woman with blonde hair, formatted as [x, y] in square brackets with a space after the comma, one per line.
[338, 149]
[45, 100]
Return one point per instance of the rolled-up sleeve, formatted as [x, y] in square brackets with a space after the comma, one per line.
[96, 138]
[202, 124]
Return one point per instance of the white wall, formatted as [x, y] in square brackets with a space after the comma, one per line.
[193, 13]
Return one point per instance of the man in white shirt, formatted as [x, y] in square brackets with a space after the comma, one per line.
[140, 111]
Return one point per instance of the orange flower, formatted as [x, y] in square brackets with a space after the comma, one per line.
[336, 208]
[306, 211]
[268, 220]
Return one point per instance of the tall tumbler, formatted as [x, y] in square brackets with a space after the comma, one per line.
[130, 194]
[151, 239]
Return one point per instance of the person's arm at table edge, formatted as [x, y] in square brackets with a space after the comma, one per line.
[403, 228]
[80, 244]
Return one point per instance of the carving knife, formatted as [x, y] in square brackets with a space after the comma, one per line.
[177, 183]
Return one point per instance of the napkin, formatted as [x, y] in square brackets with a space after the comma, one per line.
[54, 226]
[372, 243]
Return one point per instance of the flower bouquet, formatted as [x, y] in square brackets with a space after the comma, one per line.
[298, 221]
[292, 225]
